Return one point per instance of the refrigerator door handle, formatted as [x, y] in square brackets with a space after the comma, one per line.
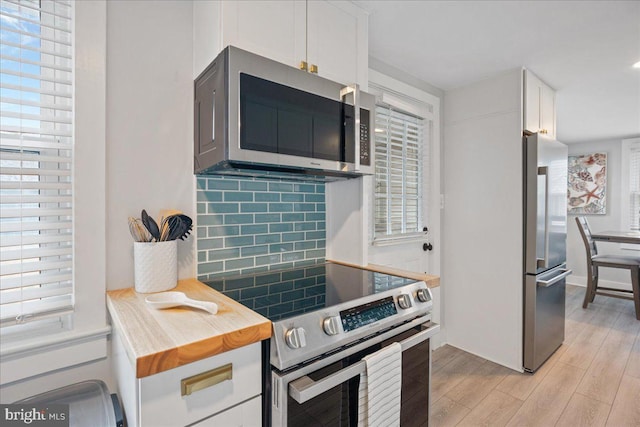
[544, 171]
[559, 277]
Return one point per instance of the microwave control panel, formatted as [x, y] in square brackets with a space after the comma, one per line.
[365, 144]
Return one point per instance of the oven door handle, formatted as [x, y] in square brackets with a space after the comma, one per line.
[304, 389]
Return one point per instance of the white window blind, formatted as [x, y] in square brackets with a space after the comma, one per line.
[36, 153]
[634, 187]
[399, 144]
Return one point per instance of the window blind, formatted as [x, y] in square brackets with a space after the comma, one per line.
[36, 154]
[399, 142]
[634, 187]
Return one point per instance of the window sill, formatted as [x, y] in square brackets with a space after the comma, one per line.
[46, 354]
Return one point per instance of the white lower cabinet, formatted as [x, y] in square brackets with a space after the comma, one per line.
[227, 385]
[247, 414]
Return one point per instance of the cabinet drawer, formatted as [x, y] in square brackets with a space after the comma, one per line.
[247, 414]
[162, 402]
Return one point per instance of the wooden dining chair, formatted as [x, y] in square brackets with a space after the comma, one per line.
[595, 261]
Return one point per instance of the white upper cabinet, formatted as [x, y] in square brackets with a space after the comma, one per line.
[539, 105]
[337, 41]
[275, 29]
[330, 37]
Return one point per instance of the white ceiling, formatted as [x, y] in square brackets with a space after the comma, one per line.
[583, 49]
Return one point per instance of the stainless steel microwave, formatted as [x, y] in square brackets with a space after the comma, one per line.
[255, 116]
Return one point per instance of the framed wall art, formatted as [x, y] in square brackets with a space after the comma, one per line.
[587, 184]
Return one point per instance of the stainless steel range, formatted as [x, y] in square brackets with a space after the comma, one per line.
[326, 318]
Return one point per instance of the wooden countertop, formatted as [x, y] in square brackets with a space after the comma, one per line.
[431, 281]
[159, 340]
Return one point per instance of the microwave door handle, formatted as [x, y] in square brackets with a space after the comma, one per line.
[304, 388]
[355, 89]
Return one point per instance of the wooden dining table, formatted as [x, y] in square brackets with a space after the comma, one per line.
[617, 236]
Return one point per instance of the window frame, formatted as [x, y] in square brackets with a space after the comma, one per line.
[38, 288]
[625, 179]
[404, 197]
[395, 94]
[40, 352]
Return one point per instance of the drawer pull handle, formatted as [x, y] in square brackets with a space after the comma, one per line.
[206, 379]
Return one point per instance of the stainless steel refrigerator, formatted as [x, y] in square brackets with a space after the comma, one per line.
[545, 236]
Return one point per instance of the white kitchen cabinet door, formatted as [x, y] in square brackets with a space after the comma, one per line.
[161, 400]
[274, 29]
[539, 106]
[329, 35]
[532, 95]
[157, 400]
[548, 110]
[337, 41]
[247, 414]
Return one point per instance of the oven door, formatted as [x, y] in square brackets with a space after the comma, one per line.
[325, 392]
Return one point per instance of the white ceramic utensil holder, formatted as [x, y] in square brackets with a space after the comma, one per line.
[155, 266]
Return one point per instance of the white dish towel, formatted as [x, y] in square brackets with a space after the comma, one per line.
[380, 387]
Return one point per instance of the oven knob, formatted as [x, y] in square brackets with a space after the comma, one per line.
[331, 325]
[423, 295]
[295, 338]
[404, 301]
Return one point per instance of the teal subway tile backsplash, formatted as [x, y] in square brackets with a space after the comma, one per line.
[220, 184]
[290, 217]
[250, 225]
[237, 196]
[254, 185]
[268, 238]
[268, 218]
[255, 229]
[280, 227]
[238, 219]
[267, 197]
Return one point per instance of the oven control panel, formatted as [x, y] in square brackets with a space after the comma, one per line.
[365, 314]
[307, 336]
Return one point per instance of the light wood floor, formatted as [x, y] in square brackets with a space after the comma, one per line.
[593, 379]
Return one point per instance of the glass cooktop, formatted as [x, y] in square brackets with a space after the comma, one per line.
[280, 294]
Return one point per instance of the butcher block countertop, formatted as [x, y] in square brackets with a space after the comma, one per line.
[159, 340]
[431, 281]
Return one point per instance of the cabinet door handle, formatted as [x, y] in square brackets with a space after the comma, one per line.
[303, 65]
[313, 69]
[206, 379]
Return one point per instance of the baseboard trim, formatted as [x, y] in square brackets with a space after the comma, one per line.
[582, 281]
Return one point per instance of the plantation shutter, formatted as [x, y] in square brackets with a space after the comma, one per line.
[399, 141]
[634, 187]
[36, 153]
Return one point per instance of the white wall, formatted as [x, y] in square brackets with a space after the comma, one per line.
[84, 348]
[149, 124]
[612, 220]
[149, 137]
[482, 219]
